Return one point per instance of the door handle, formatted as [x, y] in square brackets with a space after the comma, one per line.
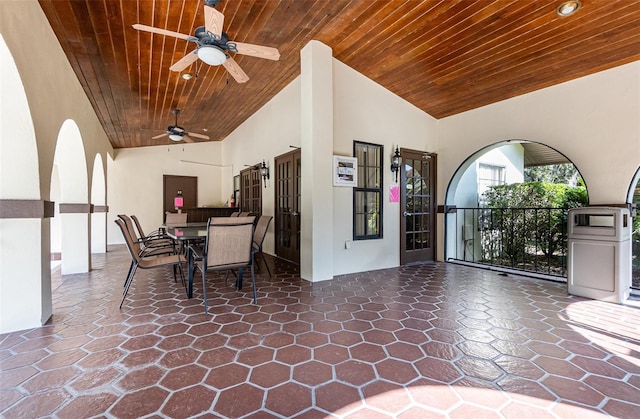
[406, 213]
[294, 213]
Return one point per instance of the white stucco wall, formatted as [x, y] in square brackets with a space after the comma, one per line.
[266, 134]
[366, 111]
[594, 121]
[54, 95]
[135, 180]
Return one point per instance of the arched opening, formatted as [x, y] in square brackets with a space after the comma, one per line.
[70, 163]
[634, 199]
[23, 253]
[507, 209]
[99, 201]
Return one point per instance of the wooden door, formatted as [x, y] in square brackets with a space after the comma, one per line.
[417, 206]
[287, 206]
[251, 191]
[172, 184]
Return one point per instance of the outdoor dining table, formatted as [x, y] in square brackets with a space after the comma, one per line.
[188, 234]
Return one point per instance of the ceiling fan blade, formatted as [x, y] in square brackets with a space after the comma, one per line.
[186, 139]
[162, 32]
[213, 21]
[236, 72]
[201, 136]
[184, 62]
[159, 136]
[258, 51]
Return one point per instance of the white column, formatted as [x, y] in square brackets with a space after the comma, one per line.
[25, 274]
[316, 254]
[99, 232]
[76, 256]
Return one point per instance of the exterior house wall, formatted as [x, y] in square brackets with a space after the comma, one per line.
[593, 121]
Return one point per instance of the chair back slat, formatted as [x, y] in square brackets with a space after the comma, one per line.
[261, 229]
[132, 245]
[130, 228]
[229, 241]
[138, 226]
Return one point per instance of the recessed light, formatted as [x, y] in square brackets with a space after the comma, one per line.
[568, 8]
[186, 76]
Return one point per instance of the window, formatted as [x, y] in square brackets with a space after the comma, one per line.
[367, 195]
[489, 175]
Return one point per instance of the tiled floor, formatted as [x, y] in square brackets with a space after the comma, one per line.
[431, 340]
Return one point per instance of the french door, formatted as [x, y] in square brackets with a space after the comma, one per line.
[418, 206]
[287, 206]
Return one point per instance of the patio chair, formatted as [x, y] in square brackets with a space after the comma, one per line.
[258, 237]
[146, 261]
[156, 234]
[178, 218]
[158, 245]
[228, 246]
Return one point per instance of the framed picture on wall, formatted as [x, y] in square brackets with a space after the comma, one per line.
[345, 171]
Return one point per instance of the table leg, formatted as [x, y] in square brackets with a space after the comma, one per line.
[190, 264]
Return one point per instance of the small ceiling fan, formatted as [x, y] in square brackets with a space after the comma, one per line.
[177, 133]
[213, 44]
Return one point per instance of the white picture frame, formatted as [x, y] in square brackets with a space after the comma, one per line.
[345, 171]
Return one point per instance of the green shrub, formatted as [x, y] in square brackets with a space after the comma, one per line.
[534, 216]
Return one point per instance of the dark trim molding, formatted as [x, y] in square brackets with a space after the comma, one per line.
[76, 208]
[26, 208]
[101, 208]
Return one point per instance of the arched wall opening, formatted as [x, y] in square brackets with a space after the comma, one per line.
[99, 202]
[71, 165]
[529, 239]
[24, 229]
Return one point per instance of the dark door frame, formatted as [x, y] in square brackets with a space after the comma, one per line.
[424, 254]
[287, 220]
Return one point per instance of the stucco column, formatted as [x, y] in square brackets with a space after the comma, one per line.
[316, 230]
[76, 237]
[25, 273]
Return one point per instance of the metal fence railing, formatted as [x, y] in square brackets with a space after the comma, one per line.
[526, 239]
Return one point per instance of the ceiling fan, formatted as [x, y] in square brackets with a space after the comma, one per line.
[213, 44]
[177, 133]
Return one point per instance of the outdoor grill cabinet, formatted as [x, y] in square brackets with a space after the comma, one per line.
[599, 253]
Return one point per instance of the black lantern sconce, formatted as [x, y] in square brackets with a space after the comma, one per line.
[264, 172]
[395, 163]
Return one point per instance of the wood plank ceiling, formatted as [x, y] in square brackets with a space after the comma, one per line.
[443, 56]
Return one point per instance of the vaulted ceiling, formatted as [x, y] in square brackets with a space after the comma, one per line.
[443, 56]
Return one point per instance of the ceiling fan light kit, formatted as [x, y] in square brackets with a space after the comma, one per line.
[213, 44]
[212, 55]
[177, 133]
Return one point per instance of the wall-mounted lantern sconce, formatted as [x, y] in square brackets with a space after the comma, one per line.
[395, 163]
[264, 172]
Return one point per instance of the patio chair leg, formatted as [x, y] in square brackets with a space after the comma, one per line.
[128, 283]
[239, 280]
[204, 293]
[184, 284]
[128, 273]
[265, 264]
[253, 280]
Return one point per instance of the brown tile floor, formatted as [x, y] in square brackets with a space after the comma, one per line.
[431, 340]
